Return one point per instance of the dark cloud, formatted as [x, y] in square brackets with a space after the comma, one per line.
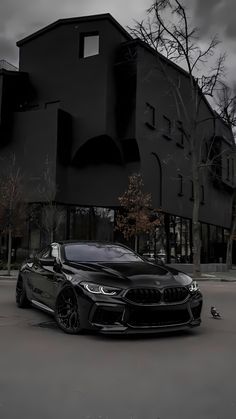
[19, 18]
[8, 50]
[207, 8]
[230, 31]
[216, 16]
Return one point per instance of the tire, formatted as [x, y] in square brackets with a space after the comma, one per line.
[67, 312]
[21, 297]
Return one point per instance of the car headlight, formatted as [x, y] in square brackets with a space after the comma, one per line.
[100, 289]
[193, 287]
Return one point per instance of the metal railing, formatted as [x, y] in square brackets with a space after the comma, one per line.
[7, 66]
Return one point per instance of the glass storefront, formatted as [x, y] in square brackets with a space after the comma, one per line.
[172, 238]
[179, 231]
[177, 241]
[92, 223]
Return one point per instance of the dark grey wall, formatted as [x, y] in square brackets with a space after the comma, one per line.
[153, 88]
[86, 89]
[88, 117]
[33, 141]
[84, 86]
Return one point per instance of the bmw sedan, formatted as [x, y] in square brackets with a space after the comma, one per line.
[107, 287]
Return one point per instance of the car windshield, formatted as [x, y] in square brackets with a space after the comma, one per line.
[97, 252]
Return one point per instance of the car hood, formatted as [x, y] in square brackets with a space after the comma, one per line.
[127, 274]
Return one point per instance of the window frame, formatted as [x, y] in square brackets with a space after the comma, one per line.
[202, 202]
[167, 131]
[180, 131]
[192, 191]
[233, 173]
[180, 179]
[82, 37]
[150, 111]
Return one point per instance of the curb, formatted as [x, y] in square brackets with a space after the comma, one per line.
[214, 279]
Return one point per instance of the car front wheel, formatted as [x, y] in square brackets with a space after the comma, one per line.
[21, 297]
[67, 312]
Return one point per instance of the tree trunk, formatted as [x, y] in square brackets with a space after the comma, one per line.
[229, 251]
[9, 251]
[195, 223]
[136, 243]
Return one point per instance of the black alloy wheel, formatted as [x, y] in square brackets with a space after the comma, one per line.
[21, 297]
[67, 312]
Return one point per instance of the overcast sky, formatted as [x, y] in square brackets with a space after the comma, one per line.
[19, 18]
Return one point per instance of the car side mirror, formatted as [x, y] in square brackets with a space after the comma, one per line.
[57, 265]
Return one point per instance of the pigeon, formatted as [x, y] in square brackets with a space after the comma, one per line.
[215, 313]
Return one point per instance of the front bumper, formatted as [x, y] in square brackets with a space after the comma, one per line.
[122, 317]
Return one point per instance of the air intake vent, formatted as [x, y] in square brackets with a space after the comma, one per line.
[143, 295]
[175, 294]
[143, 317]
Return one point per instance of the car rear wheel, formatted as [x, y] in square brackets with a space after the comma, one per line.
[67, 312]
[21, 297]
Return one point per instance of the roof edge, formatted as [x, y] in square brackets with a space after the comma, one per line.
[88, 18]
[177, 67]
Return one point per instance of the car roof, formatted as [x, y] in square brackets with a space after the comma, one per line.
[64, 242]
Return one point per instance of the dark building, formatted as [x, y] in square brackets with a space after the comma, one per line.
[88, 107]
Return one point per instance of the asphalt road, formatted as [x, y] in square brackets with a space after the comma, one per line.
[46, 374]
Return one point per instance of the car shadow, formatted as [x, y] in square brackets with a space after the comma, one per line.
[180, 334]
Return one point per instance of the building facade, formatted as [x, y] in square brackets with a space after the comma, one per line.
[88, 107]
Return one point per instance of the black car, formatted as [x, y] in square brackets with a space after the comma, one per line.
[109, 288]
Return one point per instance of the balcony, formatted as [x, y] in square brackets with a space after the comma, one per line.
[5, 65]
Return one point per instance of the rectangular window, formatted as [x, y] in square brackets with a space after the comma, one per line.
[216, 158]
[180, 177]
[227, 168]
[191, 191]
[202, 195]
[89, 44]
[205, 151]
[167, 125]
[180, 134]
[150, 116]
[232, 162]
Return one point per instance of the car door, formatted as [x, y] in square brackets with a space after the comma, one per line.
[43, 277]
[50, 279]
[35, 274]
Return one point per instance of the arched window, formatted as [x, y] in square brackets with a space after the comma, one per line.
[157, 180]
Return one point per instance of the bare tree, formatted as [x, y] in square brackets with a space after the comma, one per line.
[226, 105]
[169, 30]
[12, 207]
[137, 216]
[48, 215]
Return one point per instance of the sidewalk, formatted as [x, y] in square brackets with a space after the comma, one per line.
[229, 276]
[3, 274]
